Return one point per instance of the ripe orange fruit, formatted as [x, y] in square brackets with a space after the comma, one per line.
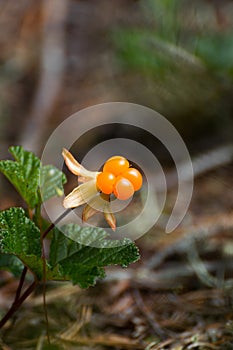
[123, 188]
[134, 176]
[105, 182]
[118, 178]
[116, 165]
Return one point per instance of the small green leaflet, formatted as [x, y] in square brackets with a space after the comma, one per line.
[28, 175]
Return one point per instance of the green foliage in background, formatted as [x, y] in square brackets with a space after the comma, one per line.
[183, 59]
[173, 33]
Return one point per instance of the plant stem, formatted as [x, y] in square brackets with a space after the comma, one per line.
[17, 303]
[44, 266]
[55, 222]
[21, 282]
[25, 269]
[44, 289]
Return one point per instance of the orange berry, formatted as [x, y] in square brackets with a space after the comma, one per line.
[105, 182]
[123, 188]
[116, 165]
[134, 176]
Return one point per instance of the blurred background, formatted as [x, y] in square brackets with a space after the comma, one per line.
[174, 56]
[59, 56]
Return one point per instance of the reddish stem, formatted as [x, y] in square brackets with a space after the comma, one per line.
[17, 303]
[55, 222]
[21, 282]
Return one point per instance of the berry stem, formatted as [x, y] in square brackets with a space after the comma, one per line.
[56, 222]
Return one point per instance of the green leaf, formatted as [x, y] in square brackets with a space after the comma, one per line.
[69, 259]
[83, 264]
[51, 182]
[84, 276]
[28, 176]
[19, 236]
[41, 268]
[23, 173]
[20, 239]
